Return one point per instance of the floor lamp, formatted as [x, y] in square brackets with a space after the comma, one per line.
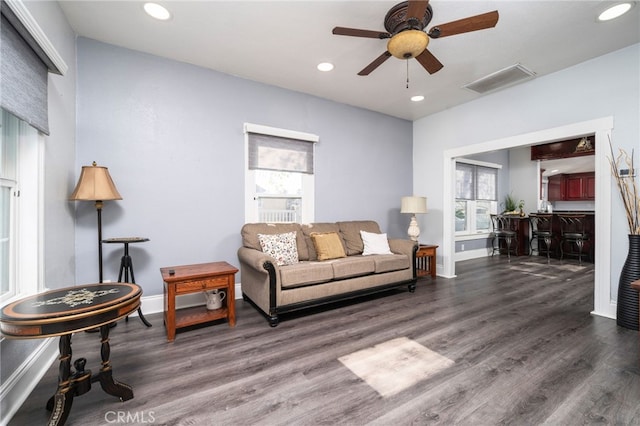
[95, 184]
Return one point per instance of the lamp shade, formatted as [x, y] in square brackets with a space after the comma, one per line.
[95, 184]
[414, 205]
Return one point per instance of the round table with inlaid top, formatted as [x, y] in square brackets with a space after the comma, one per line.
[63, 312]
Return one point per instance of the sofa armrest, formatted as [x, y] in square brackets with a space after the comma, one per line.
[255, 259]
[259, 280]
[400, 246]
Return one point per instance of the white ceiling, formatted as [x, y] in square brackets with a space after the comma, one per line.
[281, 42]
[569, 165]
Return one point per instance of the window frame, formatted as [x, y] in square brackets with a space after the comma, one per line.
[27, 227]
[308, 179]
[472, 204]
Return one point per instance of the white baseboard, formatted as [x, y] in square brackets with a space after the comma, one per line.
[472, 254]
[17, 388]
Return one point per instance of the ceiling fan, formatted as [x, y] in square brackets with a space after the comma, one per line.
[405, 24]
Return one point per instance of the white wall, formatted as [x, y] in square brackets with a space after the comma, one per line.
[523, 178]
[607, 86]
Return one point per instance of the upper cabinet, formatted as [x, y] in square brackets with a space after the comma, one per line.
[572, 187]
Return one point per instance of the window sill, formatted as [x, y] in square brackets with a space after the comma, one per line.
[475, 236]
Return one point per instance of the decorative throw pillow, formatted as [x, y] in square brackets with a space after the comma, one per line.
[282, 247]
[328, 245]
[375, 243]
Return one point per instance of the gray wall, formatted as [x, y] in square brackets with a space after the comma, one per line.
[171, 135]
[59, 173]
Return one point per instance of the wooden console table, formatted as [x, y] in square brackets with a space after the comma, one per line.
[426, 261]
[64, 312]
[187, 279]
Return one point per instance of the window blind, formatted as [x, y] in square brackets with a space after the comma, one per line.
[23, 75]
[476, 182]
[267, 152]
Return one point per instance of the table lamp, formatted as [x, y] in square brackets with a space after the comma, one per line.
[95, 184]
[413, 206]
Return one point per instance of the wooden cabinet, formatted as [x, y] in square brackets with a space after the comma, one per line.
[580, 186]
[572, 187]
[556, 188]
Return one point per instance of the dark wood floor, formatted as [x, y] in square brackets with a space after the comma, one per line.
[525, 347]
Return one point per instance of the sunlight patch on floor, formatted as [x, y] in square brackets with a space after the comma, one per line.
[395, 365]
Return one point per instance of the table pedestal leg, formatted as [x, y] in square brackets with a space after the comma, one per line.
[108, 383]
[60, 403]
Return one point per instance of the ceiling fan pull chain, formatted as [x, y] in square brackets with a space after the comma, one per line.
[407, 73]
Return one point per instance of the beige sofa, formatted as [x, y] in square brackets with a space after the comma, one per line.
[321, 273]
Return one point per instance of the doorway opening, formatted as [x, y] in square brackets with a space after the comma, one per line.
[602, 129]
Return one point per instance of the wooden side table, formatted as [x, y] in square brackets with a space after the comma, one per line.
[126, 266]
[66, 311]
[426, 260]
[188, 279]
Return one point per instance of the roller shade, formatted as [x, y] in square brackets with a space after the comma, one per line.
[268, 152]
[23, 73]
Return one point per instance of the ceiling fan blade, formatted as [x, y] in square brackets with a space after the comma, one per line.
[429, 62]
[375, 64]
[416, 9]
[354, 32]
[472, 23]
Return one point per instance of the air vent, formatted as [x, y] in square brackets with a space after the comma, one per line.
[499, 79]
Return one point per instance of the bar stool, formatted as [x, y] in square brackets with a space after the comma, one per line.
[572, 232]
[503, 230]
[541, 229]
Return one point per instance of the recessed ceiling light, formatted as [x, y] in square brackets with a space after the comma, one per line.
[614, 11]
[417, 98]
[325, 66]
[156, 11]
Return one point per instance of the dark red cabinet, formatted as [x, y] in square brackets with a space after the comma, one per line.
[572, 187]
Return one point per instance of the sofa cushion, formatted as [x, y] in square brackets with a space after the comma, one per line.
[374, 243]
[250, 233]
[352, 266]
[328, 245]
[350, 232]
[311, 228]
[282, 247]
[305, 273]
[391, 262]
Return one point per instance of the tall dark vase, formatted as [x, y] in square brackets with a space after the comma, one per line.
[627, 315]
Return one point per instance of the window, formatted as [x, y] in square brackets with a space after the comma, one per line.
[279, 175]
[20, 165]
[476, 197]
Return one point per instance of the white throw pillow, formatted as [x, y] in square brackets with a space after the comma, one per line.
[375, 243]
[281, 247]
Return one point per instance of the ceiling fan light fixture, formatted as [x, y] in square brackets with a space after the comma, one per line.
[408, 44]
